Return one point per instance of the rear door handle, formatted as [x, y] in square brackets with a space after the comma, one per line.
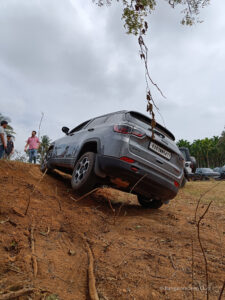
[91, 129]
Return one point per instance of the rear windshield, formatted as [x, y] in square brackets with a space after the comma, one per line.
[145, 122]
[185, 153]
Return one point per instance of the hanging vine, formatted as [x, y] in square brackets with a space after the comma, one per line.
[135, 13]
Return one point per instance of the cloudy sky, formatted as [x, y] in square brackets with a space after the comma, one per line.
[72, 61]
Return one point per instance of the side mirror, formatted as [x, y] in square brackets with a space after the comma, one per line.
[65, 130]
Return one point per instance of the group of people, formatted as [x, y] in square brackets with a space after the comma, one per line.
[7, 145]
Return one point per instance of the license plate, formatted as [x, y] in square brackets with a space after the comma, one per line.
[160, 150]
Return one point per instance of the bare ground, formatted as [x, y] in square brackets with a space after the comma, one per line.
[138, 254]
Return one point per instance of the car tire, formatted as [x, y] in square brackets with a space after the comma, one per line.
[83, 178]
[149, 203]
[45, 164]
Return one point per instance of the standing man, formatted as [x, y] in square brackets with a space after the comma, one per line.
[10, 147]
[3, 144]
[33, 143]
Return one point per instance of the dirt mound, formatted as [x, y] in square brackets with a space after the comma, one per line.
[138, 253]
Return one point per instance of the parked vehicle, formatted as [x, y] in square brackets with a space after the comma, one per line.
[189, 165]
[206, 174]
[117, 149]
[190, 161]
[220, 170]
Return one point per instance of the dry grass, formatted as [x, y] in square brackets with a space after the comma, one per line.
[193, 190]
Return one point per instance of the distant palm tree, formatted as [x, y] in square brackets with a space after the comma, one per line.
[184, 143]
[45, 143]
[197, 152]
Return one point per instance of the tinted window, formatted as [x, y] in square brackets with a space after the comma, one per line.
[185, 153]
[79, 127]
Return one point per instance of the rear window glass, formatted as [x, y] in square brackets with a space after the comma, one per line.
[97, 122]
[145, 122]
[185, 153]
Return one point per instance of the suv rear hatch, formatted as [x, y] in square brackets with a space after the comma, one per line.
[160, 153]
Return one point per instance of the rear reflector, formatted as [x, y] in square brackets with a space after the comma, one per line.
[127, 159]
[134, 169]
[176, 183]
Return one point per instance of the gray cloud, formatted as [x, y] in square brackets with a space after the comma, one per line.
[72, 60]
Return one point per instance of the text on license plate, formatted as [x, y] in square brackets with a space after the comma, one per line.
[160, 150]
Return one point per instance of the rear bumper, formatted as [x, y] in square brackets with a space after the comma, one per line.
[152, 184]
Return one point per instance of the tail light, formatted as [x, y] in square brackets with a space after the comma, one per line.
[126, 129]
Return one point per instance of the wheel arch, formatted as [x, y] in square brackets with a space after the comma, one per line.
[92, 145]
[89, 146]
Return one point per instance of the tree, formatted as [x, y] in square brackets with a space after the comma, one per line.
[135, 13]
[9, 129]
[207, 147]
[221, 146]
[209, 152]
[42, 150]
[197, 151]
[184, 143]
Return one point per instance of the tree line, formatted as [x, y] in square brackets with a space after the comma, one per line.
[209, 152]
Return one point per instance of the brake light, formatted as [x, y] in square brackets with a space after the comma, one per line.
[127, 159]
[126, 129]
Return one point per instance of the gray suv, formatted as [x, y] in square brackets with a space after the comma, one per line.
[118, 150]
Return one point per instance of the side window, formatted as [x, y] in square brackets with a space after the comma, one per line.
[79, 127]
[97, 122]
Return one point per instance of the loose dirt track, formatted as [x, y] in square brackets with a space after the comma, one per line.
[140, 254]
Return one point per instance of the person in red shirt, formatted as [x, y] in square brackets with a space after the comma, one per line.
[33, 143]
